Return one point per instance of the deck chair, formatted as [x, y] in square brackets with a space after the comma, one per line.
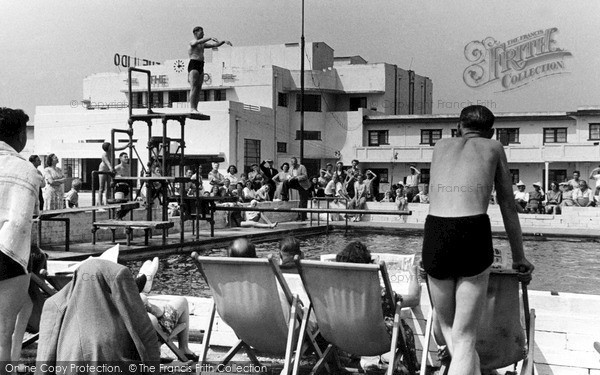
[39, 290]
[502, 341]
[346, 300]
[168, 339]
[246, 296]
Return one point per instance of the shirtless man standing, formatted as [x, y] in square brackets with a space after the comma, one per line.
[457, 245]
[196, 64]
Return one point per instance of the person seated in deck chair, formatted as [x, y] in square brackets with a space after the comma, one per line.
[97, 317]
[289, 247]
[241, 248]
[167, 315]
[357, 252]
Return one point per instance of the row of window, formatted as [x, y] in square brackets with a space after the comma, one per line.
[312, 102]
[505, 135]
[139, 99]
[554, 175]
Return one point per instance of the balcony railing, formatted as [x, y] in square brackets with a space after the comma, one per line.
[515, 154]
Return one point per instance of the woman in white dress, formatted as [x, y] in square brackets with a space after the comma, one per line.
[55, 184]
[280, 177]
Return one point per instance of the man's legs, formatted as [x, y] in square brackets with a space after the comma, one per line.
[458, 306]
[285, 190]
[195, 79]
[303, 199]
[11, 294]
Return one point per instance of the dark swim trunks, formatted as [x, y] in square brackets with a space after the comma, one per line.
[9, 268]
[457, 246]
[196, 65]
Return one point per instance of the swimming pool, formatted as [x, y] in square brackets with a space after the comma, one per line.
[561, 265]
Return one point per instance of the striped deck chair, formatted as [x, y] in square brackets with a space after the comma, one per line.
[502, 341]
[346, 299]
[246, 296]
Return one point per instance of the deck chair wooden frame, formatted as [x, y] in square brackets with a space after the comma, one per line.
[168, 339]
[346, 300]
[503, 288]
[246, 296]
[40, 283]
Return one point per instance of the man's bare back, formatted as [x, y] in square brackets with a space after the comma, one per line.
[463, 171]
[457, 240]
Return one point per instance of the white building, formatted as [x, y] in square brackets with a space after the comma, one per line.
[543, 146]
[251, 95]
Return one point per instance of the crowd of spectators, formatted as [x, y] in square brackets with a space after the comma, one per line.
[572, 193]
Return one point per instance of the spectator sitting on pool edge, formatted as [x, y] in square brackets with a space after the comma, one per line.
[241, 248]
[289, 247]
[253, 218]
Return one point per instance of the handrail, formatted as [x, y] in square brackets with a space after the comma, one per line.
[309, 210]
[149, 74]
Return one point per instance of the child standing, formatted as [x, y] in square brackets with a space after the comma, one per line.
[72, 196]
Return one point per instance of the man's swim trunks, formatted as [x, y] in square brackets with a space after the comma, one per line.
[9, 268]
[196, 65]
[457, 246]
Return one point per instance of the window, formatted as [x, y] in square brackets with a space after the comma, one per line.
[220, 95]
[312, 103]
[251, 153]
[356, 103]
[137, 100]
[594, 132]
[378, 137]
[204, 96]
[507, 136]
[309, 135]
[157, 99]
[515, 176]
[282, 99]
[555, 135]
[425, 175]
[282, 147]
[382, 174]
[430, 136]
[179, 96]
[71, 167]
[454, 133]
[555, 175]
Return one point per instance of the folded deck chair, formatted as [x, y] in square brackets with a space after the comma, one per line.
[245, 293]
[502, 341]
[346, 299]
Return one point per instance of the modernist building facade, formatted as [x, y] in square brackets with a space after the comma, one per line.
[252, 97]
[544, 147]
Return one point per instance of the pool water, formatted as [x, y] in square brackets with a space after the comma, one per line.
[571, 266]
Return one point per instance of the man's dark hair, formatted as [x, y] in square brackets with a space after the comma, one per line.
[106, 146]
[241, 248]
[197, 28]
[123, 153]
[355, 160]
[12, 122]
[476, 117]
[33, 158]
[577, 172]
[354, 252]
[289, 247]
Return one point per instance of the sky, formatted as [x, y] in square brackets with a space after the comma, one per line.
[47, 47]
